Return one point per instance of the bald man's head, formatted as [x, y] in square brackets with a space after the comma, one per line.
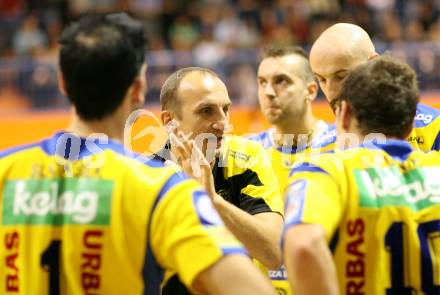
[339, 49]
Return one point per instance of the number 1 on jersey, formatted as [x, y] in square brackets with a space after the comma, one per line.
[394, 243]
[50, 261]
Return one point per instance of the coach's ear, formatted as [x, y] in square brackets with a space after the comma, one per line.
[312, 91]
[169, 121]
[166, 117]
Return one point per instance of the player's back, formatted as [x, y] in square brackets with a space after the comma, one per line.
[382, 217]
[390, 231]
[84, 226]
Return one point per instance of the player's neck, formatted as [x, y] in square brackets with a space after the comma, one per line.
[295, 129]
[112, 126]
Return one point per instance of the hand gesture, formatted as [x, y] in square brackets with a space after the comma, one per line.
[191, 159]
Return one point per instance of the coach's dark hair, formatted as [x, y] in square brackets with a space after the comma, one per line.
[100, 57]
[382, 95]
[169, 99]
[280, 50]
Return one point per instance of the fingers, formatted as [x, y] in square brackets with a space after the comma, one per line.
[182, 144]
[207, 180]
[186, 142]
[193, 161]
[197, 160]
[181, 148]
[197, 154]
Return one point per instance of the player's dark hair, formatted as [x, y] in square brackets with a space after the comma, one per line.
[100, 57]
[169, 99]
[280, 50]
[382, 95]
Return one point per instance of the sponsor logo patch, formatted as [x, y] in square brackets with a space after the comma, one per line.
[417, 189]
[424, 118]
[57, 202]
[418, 139]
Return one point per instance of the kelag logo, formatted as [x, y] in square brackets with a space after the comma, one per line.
[416, 189]
[54, 201]
[424, 118]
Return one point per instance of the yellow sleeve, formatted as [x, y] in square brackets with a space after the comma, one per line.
[187, 235]
[269, 189]
[426, 132]
[313, 197]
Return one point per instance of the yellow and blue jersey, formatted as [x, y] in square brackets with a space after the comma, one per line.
[426, 132]
[243, 177]
[379, 205]
[282, 160]
[86, 216]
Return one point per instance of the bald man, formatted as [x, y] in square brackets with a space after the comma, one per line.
[340, 49]
[247, 197]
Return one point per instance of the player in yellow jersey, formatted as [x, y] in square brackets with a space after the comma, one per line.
[377, 205]
[342, 47]
[286, 90]
[79, 214]
[196, 101]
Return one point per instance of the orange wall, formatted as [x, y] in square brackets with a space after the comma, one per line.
[21, 128]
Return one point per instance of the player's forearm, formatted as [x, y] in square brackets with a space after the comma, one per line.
[234, 274]
[260, 237]
[309, 262]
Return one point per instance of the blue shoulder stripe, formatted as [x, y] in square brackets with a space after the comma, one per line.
[17, 149]
[152, 272]
[326, 138]
[70, 146]
[306, 167]
[175, 179]
[436, 144]
[425, 115]
[262, 138]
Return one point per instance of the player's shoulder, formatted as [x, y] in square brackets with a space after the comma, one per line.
[325, 135]
[321, 163]
[240, 153]
[243, 145]
[336, 162]
[431, 158]
[46, 145]
[14, 151]
[425, 115]
[65, 145]
[144, 170]
[263, 138]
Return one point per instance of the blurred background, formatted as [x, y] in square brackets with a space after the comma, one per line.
[219, 34]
